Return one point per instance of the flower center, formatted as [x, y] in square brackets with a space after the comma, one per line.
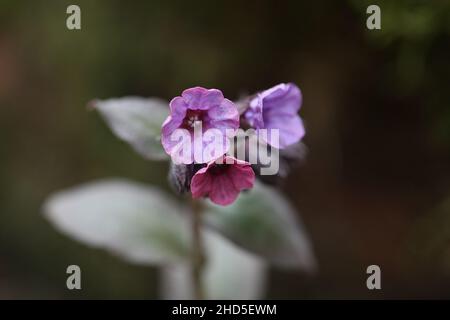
[193, 118]
[218, 169]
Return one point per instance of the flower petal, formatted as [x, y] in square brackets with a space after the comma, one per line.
[215, 145]
[291, 130]
[178, 108]
[201, 183]
[224, 116]
[283, 98]
[243, 176]
[199, 98]
[221, 114]
[254, 114]
[178, 144]
[223, 191]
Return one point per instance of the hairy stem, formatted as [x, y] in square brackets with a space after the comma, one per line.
[197, 251]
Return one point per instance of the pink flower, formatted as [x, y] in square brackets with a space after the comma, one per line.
[222, 183]
[206, 111]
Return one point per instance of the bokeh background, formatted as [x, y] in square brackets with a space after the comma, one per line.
[374, 189]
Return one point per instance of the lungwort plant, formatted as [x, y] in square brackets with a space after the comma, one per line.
[230, 221]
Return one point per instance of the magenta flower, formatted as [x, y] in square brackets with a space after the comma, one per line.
[222, 183]
[196, 113]
[277, 108]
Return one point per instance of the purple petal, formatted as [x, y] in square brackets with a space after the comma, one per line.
[254, 114]
[178, 144]
[217, 113]
[199, 98]
[291, 130]
[178, 110]
[283, 98]
[224, 116]
[277, 108]
[215, 144]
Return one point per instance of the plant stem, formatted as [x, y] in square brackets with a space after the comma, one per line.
[197, 251]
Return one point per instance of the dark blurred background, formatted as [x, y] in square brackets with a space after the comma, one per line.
[375, 188]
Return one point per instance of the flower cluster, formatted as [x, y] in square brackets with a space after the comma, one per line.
[201, 124]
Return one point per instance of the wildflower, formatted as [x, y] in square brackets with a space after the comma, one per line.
[222, 182]
[195, 113]
[277, 108]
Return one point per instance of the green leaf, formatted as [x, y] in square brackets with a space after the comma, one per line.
[137, 222]
[262, 221]
[137, 121]
[230, 273]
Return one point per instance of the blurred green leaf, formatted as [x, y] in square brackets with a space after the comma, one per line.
[230, 273]
[137, 222]
[263, 221]
[137, 121]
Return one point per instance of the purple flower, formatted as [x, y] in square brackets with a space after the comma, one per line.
[199, 110]
[277, 108]
[222, 183]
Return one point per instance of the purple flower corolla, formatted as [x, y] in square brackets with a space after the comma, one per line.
[222, 182]
[194, 114]
[277, 109]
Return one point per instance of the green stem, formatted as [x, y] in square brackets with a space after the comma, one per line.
[197, 251]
